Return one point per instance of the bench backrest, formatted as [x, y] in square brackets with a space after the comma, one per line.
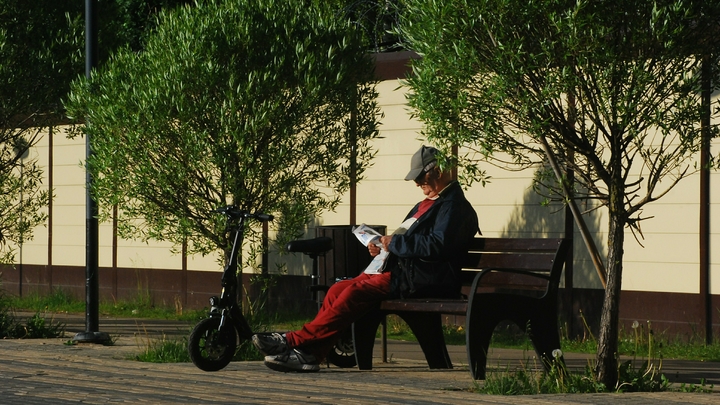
[543, 257]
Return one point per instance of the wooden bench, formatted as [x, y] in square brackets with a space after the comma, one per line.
[513, 279]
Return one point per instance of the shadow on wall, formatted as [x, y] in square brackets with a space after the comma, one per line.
[532, 218]
[290, 290]
[294, 264]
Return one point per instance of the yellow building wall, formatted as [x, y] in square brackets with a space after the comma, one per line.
[68, 227]
[507, 206]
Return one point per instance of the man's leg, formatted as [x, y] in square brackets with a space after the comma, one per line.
[344, 302]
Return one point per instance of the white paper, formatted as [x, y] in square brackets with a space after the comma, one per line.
[367, 235]
[376, 265]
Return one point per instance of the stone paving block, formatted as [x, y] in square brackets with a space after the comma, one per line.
[50, 372]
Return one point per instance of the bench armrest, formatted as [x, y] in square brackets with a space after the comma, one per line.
[477, 281]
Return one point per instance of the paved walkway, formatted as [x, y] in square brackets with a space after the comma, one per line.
[48, 371]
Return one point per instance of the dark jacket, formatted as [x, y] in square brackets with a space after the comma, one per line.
[426, 260]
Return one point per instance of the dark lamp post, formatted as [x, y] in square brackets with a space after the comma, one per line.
[91, 334]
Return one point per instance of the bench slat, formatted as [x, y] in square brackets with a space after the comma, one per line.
[519, 261]
[452, 307]
[515, 244]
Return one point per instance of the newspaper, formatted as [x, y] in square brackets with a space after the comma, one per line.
[366, 235]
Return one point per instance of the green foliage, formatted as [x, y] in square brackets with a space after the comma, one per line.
[611, 90]
[22, 200]
[36, 327]
[164, 351]
[41, 52]
[703, 387]
[643, 339]
[167, 350]
[531, 379]
[502, 75]
[141, 306]
[176, 351]
[38, 57]
[56, 301]
[375, 19]
[129, 22]
[259, 103]
[9, 327]
[527, 380]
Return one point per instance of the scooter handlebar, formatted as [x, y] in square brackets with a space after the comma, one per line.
[263, 217]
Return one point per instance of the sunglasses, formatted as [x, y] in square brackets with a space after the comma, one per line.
[420, 179]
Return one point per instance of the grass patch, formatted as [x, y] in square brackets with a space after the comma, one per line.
[35, 327]
[633, 375]
[643, 340]
[532, 379]
[140, 306]
[528, 381]
[175, 350]
[164, 351]
[638, 341]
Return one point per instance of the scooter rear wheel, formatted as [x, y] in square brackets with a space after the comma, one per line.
[343, 353]
[210, 348]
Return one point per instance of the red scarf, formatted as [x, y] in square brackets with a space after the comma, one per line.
[423, 207]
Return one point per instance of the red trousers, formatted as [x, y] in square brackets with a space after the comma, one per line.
[345, 302]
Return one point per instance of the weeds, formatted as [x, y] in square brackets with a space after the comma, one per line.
[528, 381]
[691, 347]
[141, 305]
[555, 378]
[38, 327]
[702, 388]
[164, 351]
[57, 301]
[35, 327]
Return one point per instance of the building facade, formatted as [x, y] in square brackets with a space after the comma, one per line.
[661, 282]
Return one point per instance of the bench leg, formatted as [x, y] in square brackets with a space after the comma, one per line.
[543, 332]
[427, 328]
[478, 332]
[536, 317]
[364, 330]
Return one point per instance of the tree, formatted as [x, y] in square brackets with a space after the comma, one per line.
[262, 104]
[374, 18]
[610, 89]
[39, 52]
[129, 22]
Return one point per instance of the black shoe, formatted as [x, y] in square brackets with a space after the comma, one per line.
[270, 343]
[293, 360]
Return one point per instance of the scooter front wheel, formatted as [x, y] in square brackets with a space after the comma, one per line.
[210, 348]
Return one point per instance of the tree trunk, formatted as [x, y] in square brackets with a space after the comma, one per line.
[607, 357]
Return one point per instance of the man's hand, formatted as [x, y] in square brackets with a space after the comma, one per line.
[375, 249]
[385, 240]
